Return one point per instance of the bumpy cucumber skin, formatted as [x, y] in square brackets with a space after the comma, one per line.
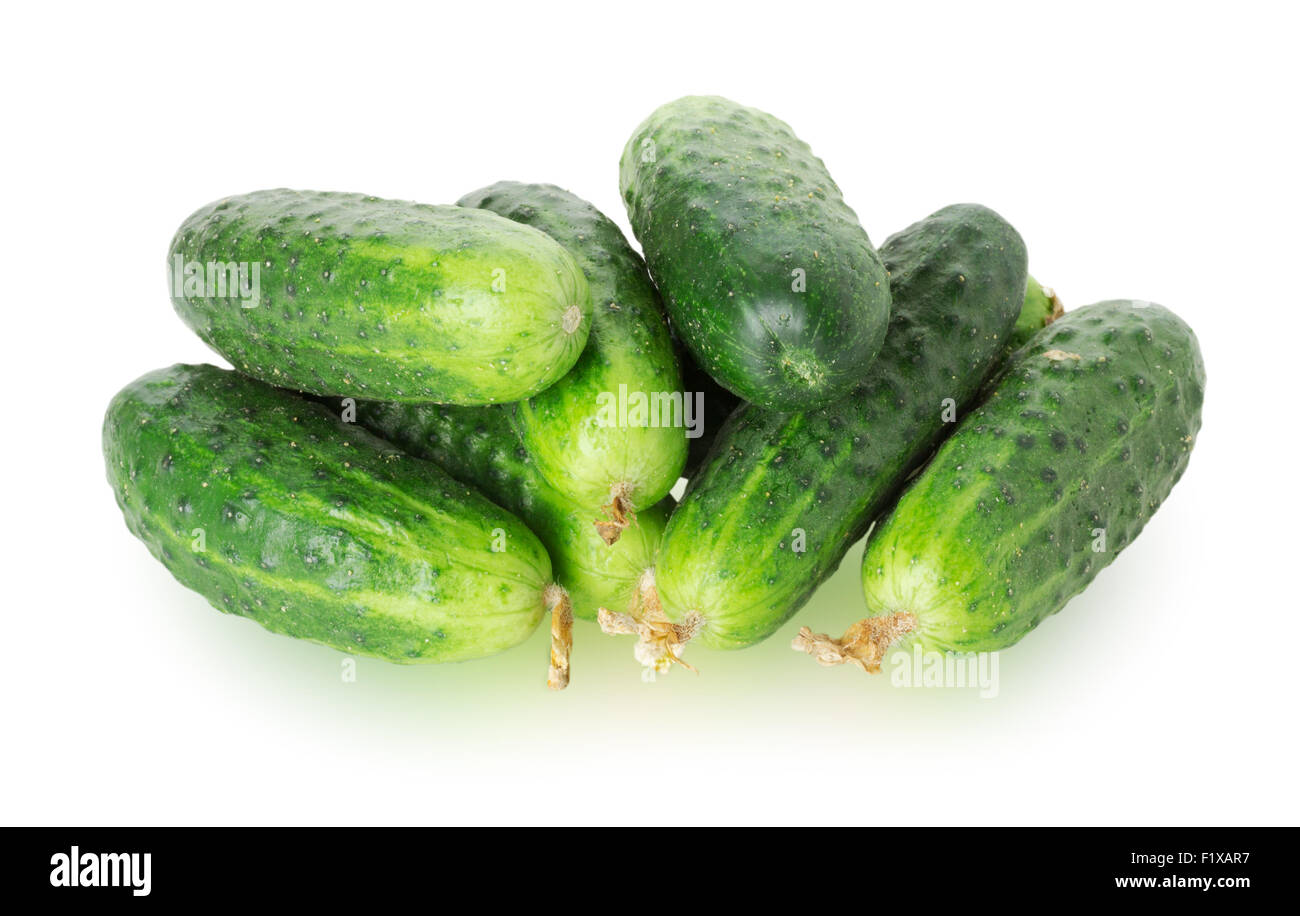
[313, 528]
[477, 444]
[1088, 427]
[958, 282]
[1035, 314]
[391, 299]
[629, 345]
[727, 203]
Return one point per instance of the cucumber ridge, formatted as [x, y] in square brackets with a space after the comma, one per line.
[728, 560]
[593, 463]
[394, 299]
[292, 504]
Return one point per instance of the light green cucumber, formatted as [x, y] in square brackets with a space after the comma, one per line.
[585, 434]
[477, 444]
[1041, 308]
[271, 509]
[340, 294]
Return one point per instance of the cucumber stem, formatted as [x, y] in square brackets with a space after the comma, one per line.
[864, 644]
[571, 320]
[660, 641]
[1058, 307]
[619, 511]
[557, 602]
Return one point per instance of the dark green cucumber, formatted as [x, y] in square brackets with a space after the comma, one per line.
[272, 509]
[766, 272]
[1041, 308]
[395, 300]
[731, 569]
[477, 444]
[718, 404]
[1039, 489]
[578, 438]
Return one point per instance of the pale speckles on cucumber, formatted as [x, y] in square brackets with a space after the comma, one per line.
[314, 528]
[726, 554]
[618, 466]
[1065, 484]
[477, 444]
[768, 277]
[394, 299]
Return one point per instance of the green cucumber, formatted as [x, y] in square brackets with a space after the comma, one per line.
[270, 508]
[407, 302]
[782, 496]
[477, 444]
[767, 275]
[577, 442]
[1039, 489]
[718, 404]
[1041, 308]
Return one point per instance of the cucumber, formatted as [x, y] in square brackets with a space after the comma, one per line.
[573, 430]
[1041, 308]
[782, 496]
[766, 273]
[477, 444]
[719, 403]
[406, 302]
[1039, 489]
[271, 509]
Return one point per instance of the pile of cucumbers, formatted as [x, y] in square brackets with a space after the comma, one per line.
[445, 423]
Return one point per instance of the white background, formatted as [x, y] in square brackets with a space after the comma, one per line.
[1142, 151]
